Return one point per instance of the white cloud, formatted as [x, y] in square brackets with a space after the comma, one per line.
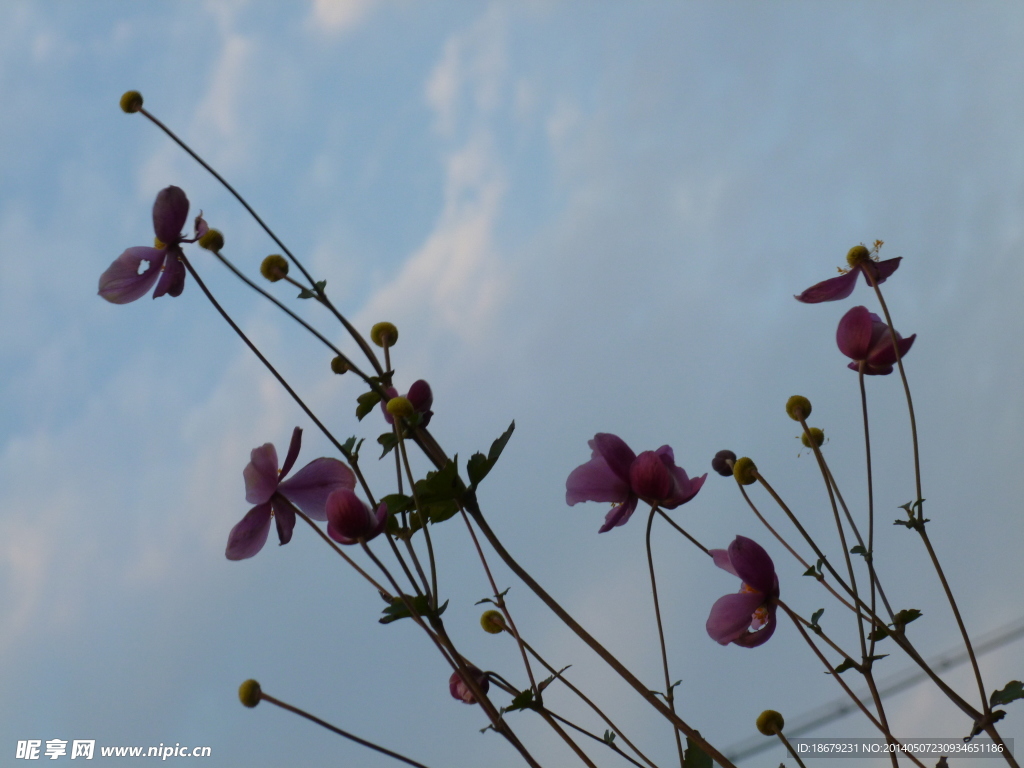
[337, 16]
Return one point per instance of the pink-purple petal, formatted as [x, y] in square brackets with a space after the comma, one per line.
[721, 558]
[284, 516]
[169, 214]
[830, 290]
[310, 487]
[595, 481]
[619, 515]
[420, 396]
[731, 615]
[122, 283]
[293, 452]
[250, 534]
[172, 278]
[649, 477]
[686, 487]
[348, 517]
[853, 336]
[884, 269]
[761, 636]
[615, 452]
[260, 474]
[752, 564]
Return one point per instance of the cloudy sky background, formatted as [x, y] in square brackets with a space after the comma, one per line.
[582, 217]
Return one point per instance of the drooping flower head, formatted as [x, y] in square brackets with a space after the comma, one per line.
[349, 519]
[616, 474]
[458, 688]
[746, 618]
[860, 261]
[123, 283]
[421, 397]
[864, 337]
[277, 498]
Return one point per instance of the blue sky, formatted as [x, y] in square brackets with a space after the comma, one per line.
[584, 217]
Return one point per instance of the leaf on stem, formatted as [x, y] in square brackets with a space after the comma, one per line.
[500, 596]
[814, 619]
[695, 757]
[399, 610]
[388, 440]
[1011, 692]
[479, 465]
[522, 700]
[350, 449]
[859, 550]
[904, 617]
[366, 401]
[609, 737]
[318, 288]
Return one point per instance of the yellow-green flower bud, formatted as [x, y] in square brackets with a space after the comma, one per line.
[770, 722]
[213, 240]
[817, 436]
[857, 254]
[249, 693]
[384, 334]
[744, 471]
[339, 365]
[493, 622]
[131, 101]
[400, 407]
[798, 407]
[274, 267]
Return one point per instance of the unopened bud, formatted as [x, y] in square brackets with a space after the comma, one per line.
[212, 240]
[493, 622]
[384, 334]
[339, 365]
[274, 267]
[857, 254]
[798, 407]
[722, 463]
[770, 722]
[249, 693]
[131, 101]
[744, 471]
[400, 407]
[813, 435]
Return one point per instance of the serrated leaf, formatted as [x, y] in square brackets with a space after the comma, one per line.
[1011, 692]
[878, 633]
[438, 491]
[388, 440]
[398, 609]
[847, 664]
[904, 617]
[320, 285]
[694, 756]
[350, 453]
[397, 503]
[815, 616]
[479, 465]
[305, 293]
[366, 401]
[609, 737]
[522, 700]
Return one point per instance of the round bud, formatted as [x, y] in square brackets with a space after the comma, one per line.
[857, 254]
[817, 436]
[770, 722]
[722, 463]
[744, 471]
[493, 622]
[274, 267]
[400, 407]
[131, 101]
[339, 365]
[384, 334]
[798, 407]
[213, 240]
[249, 693]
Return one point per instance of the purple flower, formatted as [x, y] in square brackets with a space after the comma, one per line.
[308, 490]
[349, 520]
[842, 286]
[421, 398]
[614, 473]
[123, 283]
[746, 618]
[458, 688]
[863, 337]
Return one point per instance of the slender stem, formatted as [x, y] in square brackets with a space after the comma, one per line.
[669, 694]
[595, 737]
[345, 557]
[423, 520]
[679, 528]
[789, 747]
[565, 737]
[401, 758]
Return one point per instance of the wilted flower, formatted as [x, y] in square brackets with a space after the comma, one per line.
[308, 490]
[460, 690]
[349, 519]
[863, 337]
[860, 261]
[616, 474]
[421, 398]
[123, 283]
[746, 618]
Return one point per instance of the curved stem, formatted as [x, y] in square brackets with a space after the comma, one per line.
[345, 557]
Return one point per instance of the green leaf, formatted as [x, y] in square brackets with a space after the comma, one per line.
[397, 503]
[500, 596]
[305, 293]
[366, 401]
[438, 492]
[695, 757]
[878, 633]
[320, 285]
[389, 440]
[609, 737]
[522, 700]
[1011, 692]
[398, 609]
[815, 616]
[811, 572]
[350, 453]
[847, 664]
[479, 465]
[904, 617]
[859, 550]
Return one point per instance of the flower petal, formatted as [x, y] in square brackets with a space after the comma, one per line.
[169, 214]
[830, 290]
[752, 564]
[721, 558]
[853, 336]
[761, 636]
[613, 449]
[731, 615]
[260, 474]
[172, 278]
[686, 487]
[595, 481]
[348, 517]
[420, 396]
[619, 515]
[284, 516]
[883, 269]
[293, 451]
[649, 477]
[250, 534]
[122, 283]
[309, 488]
